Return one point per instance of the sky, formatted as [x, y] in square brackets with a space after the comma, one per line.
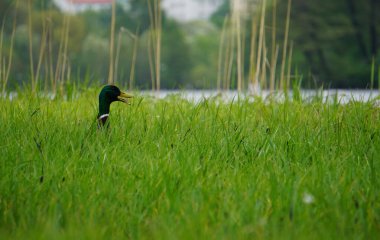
[181, 10]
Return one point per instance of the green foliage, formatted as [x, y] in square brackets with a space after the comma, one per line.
[335, 40]
[334, 43]
[172, 169]
[43, 4]
[139, 14]
[93, 53]
[176, 61]
[219, 16]
[204, 52]
[6, 6]
[88, 44]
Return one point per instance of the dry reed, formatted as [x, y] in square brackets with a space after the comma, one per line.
[111, 79]
[220, 55]
[275, 48]
[289, 71]
[286, 37]
[260, 45]
[30, 34]
[5, 68]
[42, 48]
[134, 57]
[135, 39]
[155, 44]
[253, 52]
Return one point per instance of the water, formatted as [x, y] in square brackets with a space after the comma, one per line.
[343, 96]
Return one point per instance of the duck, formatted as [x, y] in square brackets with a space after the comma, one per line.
[108, 95]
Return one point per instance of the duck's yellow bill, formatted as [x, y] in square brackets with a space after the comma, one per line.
[124, 97]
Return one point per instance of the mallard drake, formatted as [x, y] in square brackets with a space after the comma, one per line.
[108, 95]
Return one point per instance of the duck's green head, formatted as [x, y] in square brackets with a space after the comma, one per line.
[108, 95]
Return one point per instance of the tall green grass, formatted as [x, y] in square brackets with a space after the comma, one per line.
[173, 169]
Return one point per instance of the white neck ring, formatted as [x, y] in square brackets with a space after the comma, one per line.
[103, 116]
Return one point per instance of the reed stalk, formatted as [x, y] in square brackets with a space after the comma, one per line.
[117, 58]
[1, 75]
[30, 34]
[243, 45]
[228, 53]
[289, 71]
[274, 47]
[263, 78]
[59, 63]
[372, 73]
[134, 57]
[42, 48]
[261, 44]
[240, 73]
[156, 35]
[2, 61]
[1, 48]
[65, 73]
[135, 39]
[273, 70]
[111, 79]
[238, 38]
[7, 67]
[378, 78]
[50, 57]
[274, 26]
[46, 68]
[220, 57]
[151, 65]
[152, 27]
[158, 43]
[253, 52]
[46, 49]
[151, 46]
[284, 55]
[228, 62]
[68, 74]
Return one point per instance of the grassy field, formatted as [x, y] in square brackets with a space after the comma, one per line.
[172, 169]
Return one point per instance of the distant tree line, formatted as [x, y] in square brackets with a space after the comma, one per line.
[88, 45]
[335, 43]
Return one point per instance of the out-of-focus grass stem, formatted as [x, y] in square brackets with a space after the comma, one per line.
[30, 34]
[111, 79]
[285, 47]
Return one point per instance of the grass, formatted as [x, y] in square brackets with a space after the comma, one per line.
[172, 169]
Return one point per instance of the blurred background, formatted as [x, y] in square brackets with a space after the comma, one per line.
[190, 44]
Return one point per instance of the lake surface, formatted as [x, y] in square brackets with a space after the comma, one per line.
[343, 96]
